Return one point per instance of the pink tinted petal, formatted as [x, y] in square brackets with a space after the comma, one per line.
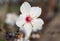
[25, 8]
[27, 28]
[35, 12]
[37, 24]
[20, 21]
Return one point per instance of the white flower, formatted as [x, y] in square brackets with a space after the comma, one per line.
[21, 39]
[11, 18]
[28, 21]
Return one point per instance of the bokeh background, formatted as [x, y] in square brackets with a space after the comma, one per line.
[50, 15]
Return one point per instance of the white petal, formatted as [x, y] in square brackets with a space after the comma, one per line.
[27, 30]
[37, 24]
[20, 21]
[25, 8]
[35, 12]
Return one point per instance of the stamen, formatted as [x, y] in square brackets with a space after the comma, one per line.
[28, 19]
[31, 25]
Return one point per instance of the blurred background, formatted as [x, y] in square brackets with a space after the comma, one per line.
[50, 15]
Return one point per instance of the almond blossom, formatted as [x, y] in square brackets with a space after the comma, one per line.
[11, 18]
[28, 21]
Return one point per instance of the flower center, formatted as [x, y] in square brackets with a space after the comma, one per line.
[28, 19]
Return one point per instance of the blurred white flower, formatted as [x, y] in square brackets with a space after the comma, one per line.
[18, 39]
[11, 18]
[28, 21]
[21, 39]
